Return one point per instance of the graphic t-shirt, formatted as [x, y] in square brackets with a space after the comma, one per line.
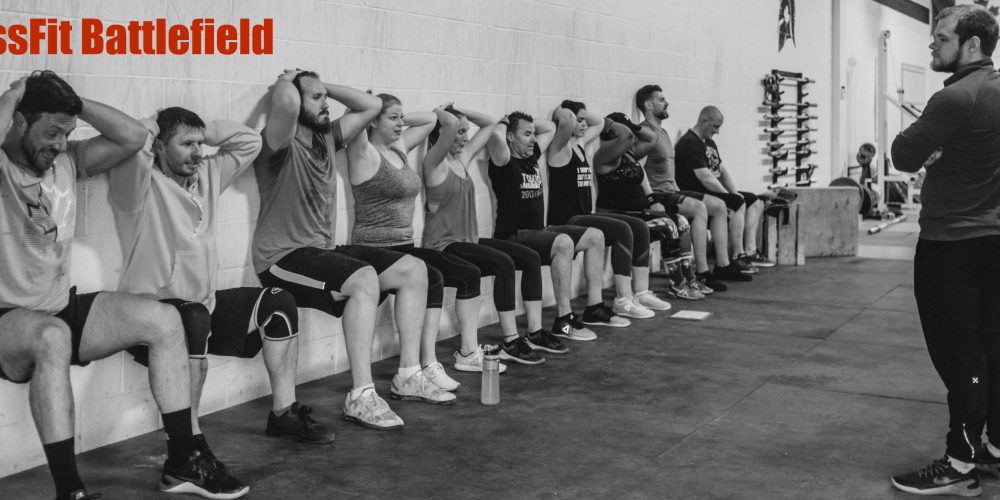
[518, 188]
[692, 154]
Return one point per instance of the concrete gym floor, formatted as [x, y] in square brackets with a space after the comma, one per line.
[809, 382]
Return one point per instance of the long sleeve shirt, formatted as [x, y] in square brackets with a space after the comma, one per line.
[167, 231]
[960, 197]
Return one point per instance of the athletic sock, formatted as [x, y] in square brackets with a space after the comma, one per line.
[356, 392]
[282, 411]
[960, 466]
[62, 464]
[993, 450]
[180, 442]
[407, 372]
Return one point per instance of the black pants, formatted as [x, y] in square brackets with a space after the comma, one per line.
[957, 286]
[627, 236]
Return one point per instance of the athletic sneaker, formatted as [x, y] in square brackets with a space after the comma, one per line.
[81, 495]
[759, 260]
[543, 340]
[686, 291]
[518, 351]
[436, 374]
[563, 327]
[298, 423]
[472, 362]
[371, 411]
[200, 476]
[629, 306]
[600, 314]
[986, 462]
[649, 300]
[708, 280]
[742, 262]
[939, 478]
[419, 388]
[201, 444]
[730, 273]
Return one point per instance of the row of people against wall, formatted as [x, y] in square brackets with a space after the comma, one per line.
[164, 194]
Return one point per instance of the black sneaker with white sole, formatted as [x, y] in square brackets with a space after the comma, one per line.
[519, 351]
[200, 476]
[543, 340]
[939, 478]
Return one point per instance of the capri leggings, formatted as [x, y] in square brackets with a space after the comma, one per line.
[627, 236]
[445, 270]
[501, 259]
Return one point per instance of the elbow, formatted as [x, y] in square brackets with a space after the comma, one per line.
[135, 137]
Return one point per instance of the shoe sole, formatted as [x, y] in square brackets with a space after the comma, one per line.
[546, 349]
[961, 489]
[665, 308]
[474, 369]
[299, 439]
[634, 315]
[422, 399]
[366, 425]
[600, 323]
[572, 337]
[507, 357]
[190, 488]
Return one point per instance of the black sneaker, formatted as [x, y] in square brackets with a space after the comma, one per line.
[709, 280]
[569, 327]
[80, 495]
[543, 340]
[518, 351]
[298, 424]
[742, 262]
[986, 462]
[729, 273]
[200, 476]
[939, 478]
[600, 314]
[201, 444]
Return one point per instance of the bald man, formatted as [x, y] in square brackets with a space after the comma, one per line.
[700, 169]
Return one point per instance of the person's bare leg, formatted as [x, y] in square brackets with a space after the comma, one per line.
[592, 246]
[408, 278]
[533, 313]
[361, 292]
[640, 278]
[467, 311]
[281, 358]
[719, 226]
[562, 274]
[198, 369]
[429, 335]
[736, 223]
[753, 215]
[697, 214]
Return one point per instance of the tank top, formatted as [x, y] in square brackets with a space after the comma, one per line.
[383, 205]
[450, 211]
[621, 189]
[569, 189]
[518, 189]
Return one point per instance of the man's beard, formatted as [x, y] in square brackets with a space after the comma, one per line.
[943, 66]
[663, 115]
[313, 123]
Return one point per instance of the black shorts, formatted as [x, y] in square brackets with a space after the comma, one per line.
[75, 316]
[541, 241]
[310, 274]
[232, 318]
[575, 232]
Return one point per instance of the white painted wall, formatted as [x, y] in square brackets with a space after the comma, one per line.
[495, 56]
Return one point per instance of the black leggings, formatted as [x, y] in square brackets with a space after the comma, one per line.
[526, 260]
[493, 262]
[445, 270]
[627, 236]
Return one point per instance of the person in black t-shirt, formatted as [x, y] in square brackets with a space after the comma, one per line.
[700, 169]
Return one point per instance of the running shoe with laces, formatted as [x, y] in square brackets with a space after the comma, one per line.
[939, 478]
[298, 424]
[81, 495]
[543, 340]
[685, 291]
[630, 307]
[742, 262]
[518, 351]
[600, 314]
[758, 259]
[649, 300]
[369, 410]
[419, 388]
[709, 280]
[436, 374]
[699, 286]
[563, 326]
[730, 273]
[200, 476]
[472, 362]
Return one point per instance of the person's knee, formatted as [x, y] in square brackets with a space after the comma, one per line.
[562, 247]
[362, 284]
[277, 314]
[700, 212]
[592, 238]
[715, 207]
[411, 271]
[51, 342]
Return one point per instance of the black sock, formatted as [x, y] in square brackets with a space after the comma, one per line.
[62, 464]
[180, 442]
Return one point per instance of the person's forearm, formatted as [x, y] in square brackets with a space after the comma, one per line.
[419, 118]
[481, 120]
[114, 125]
[352, 98]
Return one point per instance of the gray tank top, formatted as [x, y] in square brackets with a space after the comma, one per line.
[383, 205]
[450, 212]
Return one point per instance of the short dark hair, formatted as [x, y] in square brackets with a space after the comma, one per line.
[974, 20]
[644, 94]
[303, 74]
[169, 119]
[515, 119]
[432, 138]
[46, 92]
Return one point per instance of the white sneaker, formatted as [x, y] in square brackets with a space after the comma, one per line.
[420, 388]
[371, 411]
[629, 306]
[473, 362]
[436, 374]
[649, 300]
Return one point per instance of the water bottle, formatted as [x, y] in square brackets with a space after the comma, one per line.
[491, 375]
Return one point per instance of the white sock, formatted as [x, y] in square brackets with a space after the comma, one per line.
[960, 466]
[993, 450]
[407, 372]
[356, 392]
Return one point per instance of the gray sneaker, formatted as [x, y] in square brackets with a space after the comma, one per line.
[420, 388]
[371, 411]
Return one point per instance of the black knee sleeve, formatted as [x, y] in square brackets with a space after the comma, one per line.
[197, 325]
[276, 314]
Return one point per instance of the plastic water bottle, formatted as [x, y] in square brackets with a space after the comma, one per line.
[491, 375]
